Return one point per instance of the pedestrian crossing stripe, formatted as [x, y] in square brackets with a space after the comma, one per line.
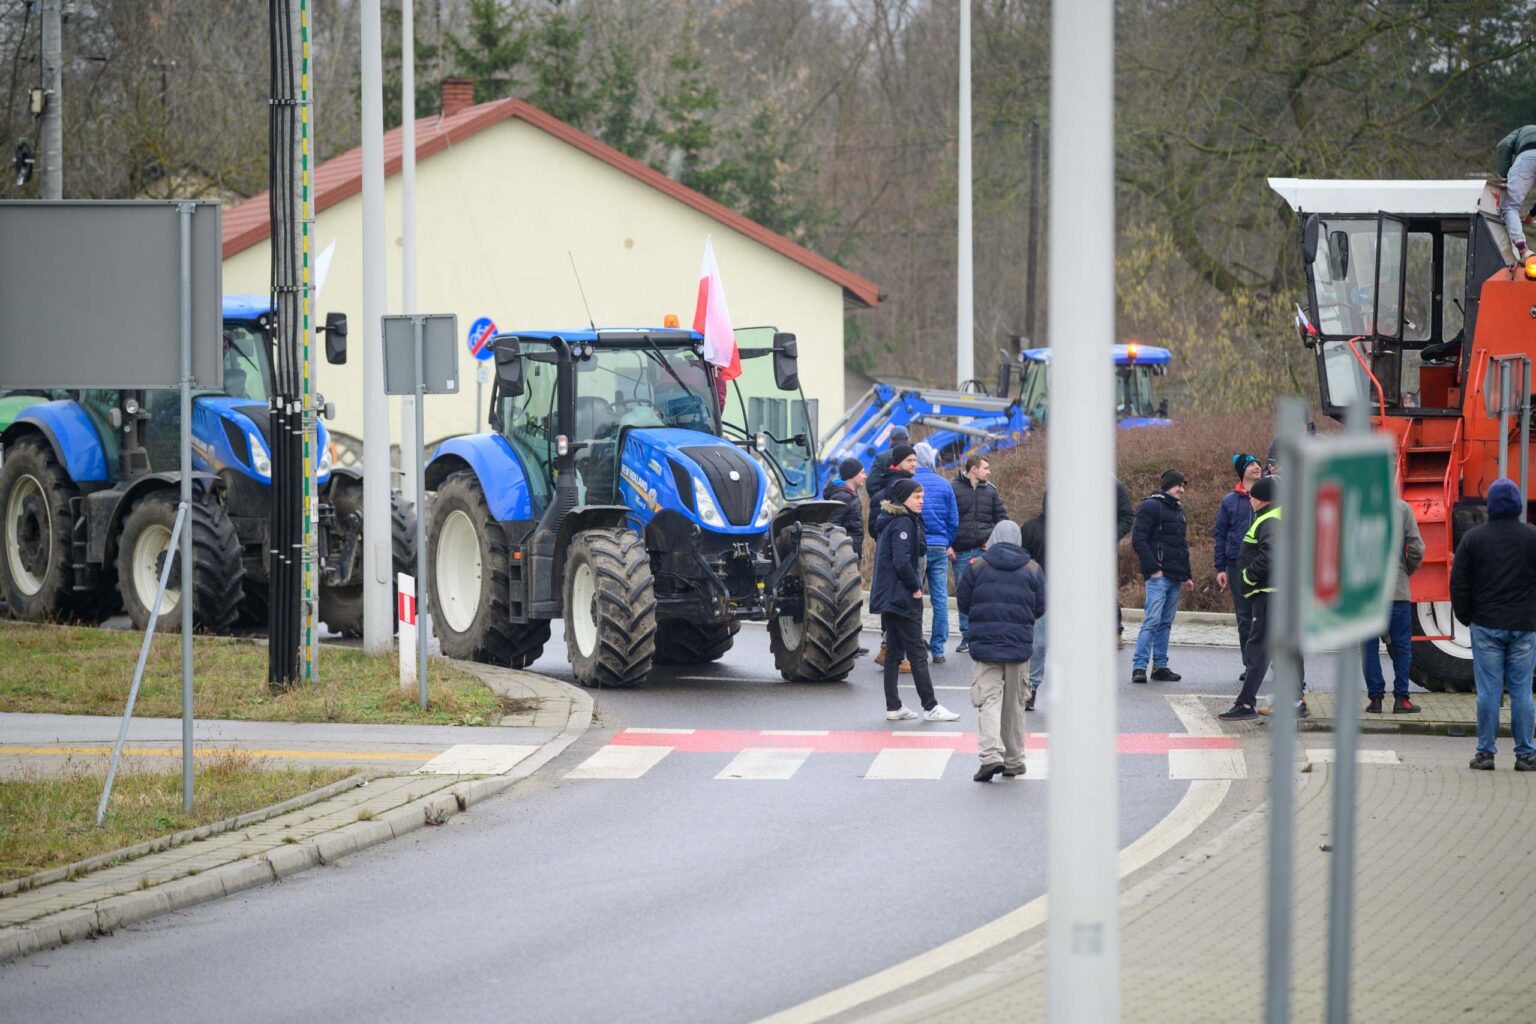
[731, 741]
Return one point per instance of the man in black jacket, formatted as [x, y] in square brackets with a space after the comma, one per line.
[1160, 538]
[1125, 518]
[981, 508]
[1493, 589]
[900, 463]
[879, 468]
[1254, 575]
[850, 477]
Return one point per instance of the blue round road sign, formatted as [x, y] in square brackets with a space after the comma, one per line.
[480, 334]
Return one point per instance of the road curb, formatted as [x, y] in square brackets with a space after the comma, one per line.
[284, 861]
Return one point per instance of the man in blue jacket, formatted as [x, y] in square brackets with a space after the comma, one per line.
[941, 519]
[1160, 540]
[1003, 593]
[1232, 522]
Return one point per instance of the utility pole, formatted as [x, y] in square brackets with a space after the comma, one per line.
[53, 99]
[378, 562]
[1030, 338]
[410, 444]
[965, 330]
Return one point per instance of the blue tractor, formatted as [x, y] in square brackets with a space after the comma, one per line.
[89, 488]
[629, 490]
[1136, 366]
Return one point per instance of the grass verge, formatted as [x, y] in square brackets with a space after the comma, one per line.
[50, 821]
[83, 671]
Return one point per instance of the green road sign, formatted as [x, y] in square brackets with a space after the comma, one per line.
[1350, 531]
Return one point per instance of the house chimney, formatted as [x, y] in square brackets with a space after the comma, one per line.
[458, 94]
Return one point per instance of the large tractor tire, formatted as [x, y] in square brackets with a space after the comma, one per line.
[468, 570]
[35, 574]
[1443, 666]
[823, 646]
[341, 608]
[218, 573]
[679, 642]
[610, 608]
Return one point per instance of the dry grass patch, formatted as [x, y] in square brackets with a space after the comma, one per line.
[82, 671]
[50, 821]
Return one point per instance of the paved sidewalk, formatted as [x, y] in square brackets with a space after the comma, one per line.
[1443, 928]
[454, 768]
[1444, 714]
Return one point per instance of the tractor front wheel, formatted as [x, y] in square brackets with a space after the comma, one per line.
[341, 607]
[218, 573]
[468, 573]
[820, 646]
[35, 492]
[610, 608]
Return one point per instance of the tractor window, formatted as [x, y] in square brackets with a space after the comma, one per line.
[1419, 288]
[528, 424]
[1032, 390]
[1453, 284]
[1344, 277]
[247, 363]
[1133, 392]
[754, 404]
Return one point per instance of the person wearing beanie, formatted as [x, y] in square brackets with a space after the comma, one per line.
[1255, 578]
[900, 463]
[880, 467]
[1493, 590]
[941, 518]
[1232, 522]
[845, 489]
[1004, 594]
[897, 595]
[979, 508]
[1160, 538]
[1399, 627]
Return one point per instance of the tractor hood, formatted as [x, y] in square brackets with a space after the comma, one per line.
[718, 485]
[236, 433]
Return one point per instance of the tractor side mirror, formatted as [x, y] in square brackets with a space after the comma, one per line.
[1004, 373]
[1311, 229]
[335, 338]
[786, 362]
[509, 367]
[1162, 409]
[1338, 254]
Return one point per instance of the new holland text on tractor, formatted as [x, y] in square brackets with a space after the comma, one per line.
[630, 491]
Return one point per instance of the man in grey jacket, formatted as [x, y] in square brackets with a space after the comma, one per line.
[1399, 628]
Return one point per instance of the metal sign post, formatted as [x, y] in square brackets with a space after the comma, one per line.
[421, 357]
[1507, 389]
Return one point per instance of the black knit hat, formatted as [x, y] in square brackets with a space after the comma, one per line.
[1267, 488]
[1171, 478]
[900, 453]
[1241, 461]
[849, 468]
[903, 489]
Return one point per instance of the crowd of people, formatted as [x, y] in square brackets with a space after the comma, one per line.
[926, 526]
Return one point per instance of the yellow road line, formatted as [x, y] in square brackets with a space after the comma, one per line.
[315, 755]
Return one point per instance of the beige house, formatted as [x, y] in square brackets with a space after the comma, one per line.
[503, 192]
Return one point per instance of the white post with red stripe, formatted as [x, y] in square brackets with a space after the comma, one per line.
[405, 612]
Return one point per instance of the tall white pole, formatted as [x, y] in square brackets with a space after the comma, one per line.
[53, 99]
[410, 447]
[378, 565]
[1083, 937]
[965, 332]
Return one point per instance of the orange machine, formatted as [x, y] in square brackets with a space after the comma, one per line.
[1411, 295]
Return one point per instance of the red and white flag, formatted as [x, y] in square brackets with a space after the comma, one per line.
[712, 318]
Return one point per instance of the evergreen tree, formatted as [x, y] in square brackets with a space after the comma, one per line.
[427, 53]
[497, 45]
[762, 181]
[618, 95]
[559, 72]
[687, 132]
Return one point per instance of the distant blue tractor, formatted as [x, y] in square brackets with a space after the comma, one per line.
[89, 487]
[1135, 367]
[628, 490]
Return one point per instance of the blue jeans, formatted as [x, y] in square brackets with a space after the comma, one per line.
[1400, 646]
[938, 593]
[1162, 601]
[1037, 659]
[1502, 659]
[963, 559]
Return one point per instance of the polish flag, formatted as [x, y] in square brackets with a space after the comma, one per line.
[712, 318]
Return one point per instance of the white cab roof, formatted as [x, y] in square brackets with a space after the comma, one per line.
[1323, 195]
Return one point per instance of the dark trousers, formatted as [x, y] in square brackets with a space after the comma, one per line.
[1257, 654]
[904, 640]
[1242, 608]
[1400, 634]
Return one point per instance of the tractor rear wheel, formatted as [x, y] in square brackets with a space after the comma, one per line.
[822, 646]
[468, 572]
[35, 492]
[1443, 666]
[341, 608]
[610, 608]
[679, 642]
[218, 572]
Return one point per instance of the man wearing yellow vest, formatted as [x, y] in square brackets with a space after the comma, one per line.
[1255, 575]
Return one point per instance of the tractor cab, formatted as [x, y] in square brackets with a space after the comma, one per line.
[1136, 367]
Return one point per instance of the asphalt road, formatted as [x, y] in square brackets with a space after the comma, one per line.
[674, 896]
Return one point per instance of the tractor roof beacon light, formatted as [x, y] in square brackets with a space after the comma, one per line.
[671, 321]
[1130, 350]
[1530, 267]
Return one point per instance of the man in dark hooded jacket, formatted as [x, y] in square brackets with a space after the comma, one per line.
[1161, 541]
[879, 469]
[845, 489]
[900, 464]
[1004, 594]
[901, 557]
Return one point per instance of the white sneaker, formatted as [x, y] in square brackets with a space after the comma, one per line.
[939, 713]
[901, 714]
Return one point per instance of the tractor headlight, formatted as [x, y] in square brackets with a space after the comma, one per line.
[772, 502]
[261, 462]
[708, 510]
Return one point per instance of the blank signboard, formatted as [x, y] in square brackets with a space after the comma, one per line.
[440, 354]
[90, 294]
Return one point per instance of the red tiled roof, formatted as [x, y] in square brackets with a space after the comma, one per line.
[249, 223]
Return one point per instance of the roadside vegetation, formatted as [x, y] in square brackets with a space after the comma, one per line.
[50, 821]
[83, 671]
